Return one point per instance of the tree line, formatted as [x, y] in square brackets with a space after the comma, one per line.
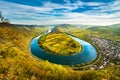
[3, 19]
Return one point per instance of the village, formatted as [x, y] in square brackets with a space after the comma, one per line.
[109, 53]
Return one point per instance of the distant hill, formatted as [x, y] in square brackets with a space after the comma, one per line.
[64, 27]
[112, 29]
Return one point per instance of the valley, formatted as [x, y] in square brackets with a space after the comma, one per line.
[17, 62]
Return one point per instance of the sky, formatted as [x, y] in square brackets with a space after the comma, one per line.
[48, 12]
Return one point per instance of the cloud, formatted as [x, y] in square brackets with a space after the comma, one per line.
[53, 13]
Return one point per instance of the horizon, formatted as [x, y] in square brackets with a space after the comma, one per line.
[53, 12]
[64, 24]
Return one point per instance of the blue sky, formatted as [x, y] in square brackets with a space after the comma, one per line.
[45, 12]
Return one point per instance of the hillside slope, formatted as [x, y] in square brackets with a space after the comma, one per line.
[17, 62]
[59, 43]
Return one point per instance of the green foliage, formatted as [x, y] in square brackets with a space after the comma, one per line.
[111, 32]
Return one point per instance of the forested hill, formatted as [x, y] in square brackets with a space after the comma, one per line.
[63, 27]
[113, 29]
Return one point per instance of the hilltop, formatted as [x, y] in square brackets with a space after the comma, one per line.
[59, 43]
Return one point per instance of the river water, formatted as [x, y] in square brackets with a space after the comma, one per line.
[88, 53]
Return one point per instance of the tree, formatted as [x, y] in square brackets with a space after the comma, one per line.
[2, 19]
[6, 20]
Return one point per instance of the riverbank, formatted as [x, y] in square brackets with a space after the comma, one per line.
[108, 53]
[88, 53]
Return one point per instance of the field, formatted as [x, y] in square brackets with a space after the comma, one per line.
[59, 44]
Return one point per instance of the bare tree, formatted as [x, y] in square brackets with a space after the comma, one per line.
[3, 20]
[0, 16]
[6, 20]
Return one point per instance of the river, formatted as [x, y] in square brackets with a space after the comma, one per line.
[88, 53]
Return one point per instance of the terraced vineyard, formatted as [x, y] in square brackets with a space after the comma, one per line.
[59, 43]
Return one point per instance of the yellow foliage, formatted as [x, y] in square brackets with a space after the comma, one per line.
[17, 63]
